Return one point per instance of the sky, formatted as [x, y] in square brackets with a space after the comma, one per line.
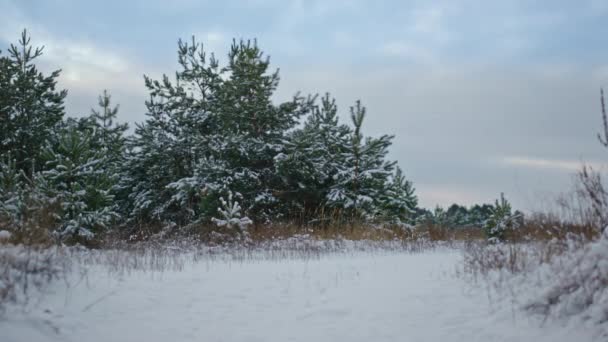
[483, 97]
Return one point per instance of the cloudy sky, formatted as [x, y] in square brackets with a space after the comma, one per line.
[483, 96]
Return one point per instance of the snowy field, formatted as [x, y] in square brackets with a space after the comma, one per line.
[354, 296]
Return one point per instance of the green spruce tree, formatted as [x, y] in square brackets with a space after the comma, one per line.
[30, 107]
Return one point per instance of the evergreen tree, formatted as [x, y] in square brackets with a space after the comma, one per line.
[254, 130]
[459, 215]
[181, 129]
[108, 136]
[398, 200]
[479, 214]
[501, 220]
[18, 202]
[248, 133]
[312, 159]
[77, 180]
[30, 107]
[364, 172]
[216, 131]
[231, 216]
[438, 217]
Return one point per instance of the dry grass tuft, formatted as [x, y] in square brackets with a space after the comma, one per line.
[26, 269]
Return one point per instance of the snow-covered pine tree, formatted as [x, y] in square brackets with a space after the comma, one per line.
[501, 220]
[14, 191]
[253, 130]
[78, 181]
[364, 174]
[248, 132]
[479, 214]
[437, 217]
[459, 215]
[30, 107]
[230, 215]
[398, 200]
[216, 130]
[109, 136]
[181, 129]
[312, 159]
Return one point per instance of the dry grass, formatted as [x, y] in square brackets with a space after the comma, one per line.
[481, 258]
[354, 231]
[545, 227]
[26, 269]
[437, 233]
[539, 241]
[348, 231]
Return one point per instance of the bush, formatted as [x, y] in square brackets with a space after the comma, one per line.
[26, 212]
[579, 284]
[501, 221]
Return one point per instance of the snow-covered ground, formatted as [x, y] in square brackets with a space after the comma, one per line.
[354, 296]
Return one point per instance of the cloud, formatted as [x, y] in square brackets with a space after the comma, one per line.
[422, 38]
[428, 21]
[83, 55]
[214, 37]
[551, 164]
[76, 57]
[215, 41]
[431, 195]
[344, 39]
[87, 68]
[408, 51]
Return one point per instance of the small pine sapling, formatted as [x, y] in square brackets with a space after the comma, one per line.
[231, 216]
[501, 220]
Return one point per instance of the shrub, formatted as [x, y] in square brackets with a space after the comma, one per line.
[26, 212]
[579, 284]
[501, 220]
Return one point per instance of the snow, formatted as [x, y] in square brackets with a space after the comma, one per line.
[5, 235]
[347, 296]
[577, 285]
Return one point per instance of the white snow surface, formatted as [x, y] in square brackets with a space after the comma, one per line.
[352, 296]
[5, 235]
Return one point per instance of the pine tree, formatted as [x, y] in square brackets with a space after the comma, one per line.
[254, 129]
[479, 214]
[501, 220]
[312, 159]
[438, 217]
[458, 215]
[181, 130]
[78, 181]
[216, 131]
[231, 216]
[25, 208]
[30, 107]
[364, 173]
[109, 136]
[398, 200]
[248, 133]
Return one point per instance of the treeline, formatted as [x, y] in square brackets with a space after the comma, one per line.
[214, 149]
[458, 216]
